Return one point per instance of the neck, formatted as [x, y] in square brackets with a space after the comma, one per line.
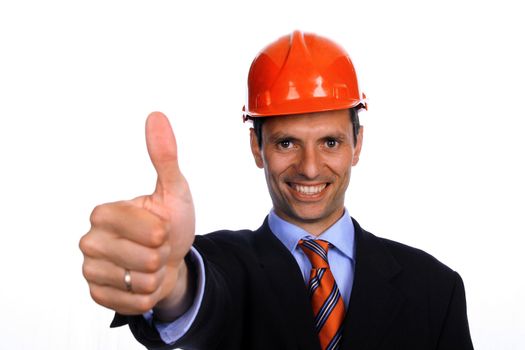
[315, 227]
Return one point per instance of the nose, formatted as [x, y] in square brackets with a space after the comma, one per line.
[309, 163]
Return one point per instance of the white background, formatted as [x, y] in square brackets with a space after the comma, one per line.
[442, 166]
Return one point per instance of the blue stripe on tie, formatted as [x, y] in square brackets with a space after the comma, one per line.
[320, 274]
[315, 281]
[327, 308]
[316, 248]
[319, 250]
[334, 343]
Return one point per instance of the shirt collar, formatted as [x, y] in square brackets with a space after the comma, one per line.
[340, 234]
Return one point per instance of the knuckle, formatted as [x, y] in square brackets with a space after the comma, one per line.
[86, 244]
[87, 271]
[158, 236]
[145, 303]
[97, 295]
[153, 262]
[98, 214]
[151, 283]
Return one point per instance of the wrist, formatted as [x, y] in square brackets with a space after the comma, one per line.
[180, 297]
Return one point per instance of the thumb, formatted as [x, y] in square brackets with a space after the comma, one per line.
[162, 149]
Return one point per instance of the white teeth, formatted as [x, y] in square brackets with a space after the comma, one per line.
[309, 190]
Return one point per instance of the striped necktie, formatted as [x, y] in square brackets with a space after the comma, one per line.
[327, 303]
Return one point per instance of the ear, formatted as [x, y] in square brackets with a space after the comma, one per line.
[256, 151]
[358, 145]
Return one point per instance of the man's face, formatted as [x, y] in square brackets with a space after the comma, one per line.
[307, 160]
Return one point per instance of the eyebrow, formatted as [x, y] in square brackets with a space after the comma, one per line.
[336, 135]
[279, 136]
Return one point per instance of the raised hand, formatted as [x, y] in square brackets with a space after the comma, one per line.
[149, 236]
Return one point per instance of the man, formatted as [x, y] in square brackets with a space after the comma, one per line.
[310, 277]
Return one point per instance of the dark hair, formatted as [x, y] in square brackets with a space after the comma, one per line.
[354, 117]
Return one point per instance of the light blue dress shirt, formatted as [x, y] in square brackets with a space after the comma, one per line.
[341, 258]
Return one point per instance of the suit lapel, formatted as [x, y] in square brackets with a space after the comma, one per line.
[285, 281]
[374, 302]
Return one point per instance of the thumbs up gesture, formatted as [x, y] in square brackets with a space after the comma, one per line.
[134, 252]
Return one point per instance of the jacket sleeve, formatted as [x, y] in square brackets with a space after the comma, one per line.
[455, 333]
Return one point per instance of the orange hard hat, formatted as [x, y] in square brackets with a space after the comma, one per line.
[301, 73]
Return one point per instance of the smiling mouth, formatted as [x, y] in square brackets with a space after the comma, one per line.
[308, 190]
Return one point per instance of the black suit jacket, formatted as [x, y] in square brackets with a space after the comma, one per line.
[255, 298]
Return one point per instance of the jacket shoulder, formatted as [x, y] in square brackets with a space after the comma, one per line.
[417, 259]
[414, 271]
[225, 239]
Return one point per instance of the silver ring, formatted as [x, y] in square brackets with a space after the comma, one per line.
[127, 280]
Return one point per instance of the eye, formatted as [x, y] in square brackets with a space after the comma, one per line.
[285, 144]
[331, 143]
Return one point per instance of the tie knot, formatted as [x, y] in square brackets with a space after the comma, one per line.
[316, 251]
